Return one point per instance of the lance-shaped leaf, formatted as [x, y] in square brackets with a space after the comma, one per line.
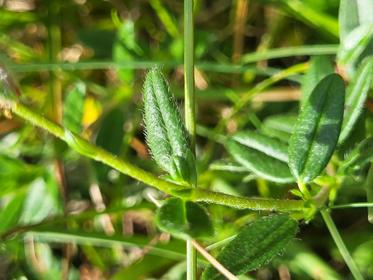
[317, 129]
[319, 68]
[256, 244]
[165, 132]
[184, 219]
[265, 156]
[279, 126]
[356, 94]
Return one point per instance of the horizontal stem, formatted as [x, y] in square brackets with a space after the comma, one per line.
[101, 155]
[202, 195]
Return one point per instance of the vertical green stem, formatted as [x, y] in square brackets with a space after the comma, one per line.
[340, 245]
[190, 112]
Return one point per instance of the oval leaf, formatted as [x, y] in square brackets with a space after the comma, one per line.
[317, 129]
[165, 132]
[184, 219]
[265, 156]
[356, 95]
[256, 244]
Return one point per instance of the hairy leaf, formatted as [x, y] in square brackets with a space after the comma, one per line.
[317, 129]
[265, 156]
[320, 67]
[356, 94]
[165, 132]
[255, 245]
[184, 219]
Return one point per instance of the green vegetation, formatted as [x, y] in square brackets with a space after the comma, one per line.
[266, 173]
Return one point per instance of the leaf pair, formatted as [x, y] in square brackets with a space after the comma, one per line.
[165, 132]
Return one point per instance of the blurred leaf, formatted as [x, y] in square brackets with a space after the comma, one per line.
[99, 40]
[356, 94]
[126, 49]
[359, 158]
[42, 200]
[317, 129]
[355, 44]
[364, 258]
[266, 157]
[353, 13]
[279, 126]
[110, 138]
[11, 212]
[184, 219]
[319, 68]
[14, 174]
[146, 267]
[73, 108]
[255, 245]
[165, 17]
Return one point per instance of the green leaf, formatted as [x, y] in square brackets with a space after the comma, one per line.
[73, 108]
[359, 158]
[255, 246]
[317, 129]
[356, 94]
[354, 45]
[184, 219]
[165, 132]
[319, 68]
[265, 156]
[11, 212]
[279, 126]
[353, 13]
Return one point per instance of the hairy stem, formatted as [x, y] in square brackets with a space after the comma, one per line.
[123, 166]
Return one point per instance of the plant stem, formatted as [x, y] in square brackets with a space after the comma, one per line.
[190, 112]
[340, 244]
[96, 153]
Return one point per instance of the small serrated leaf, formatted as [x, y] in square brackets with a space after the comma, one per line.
[317, 129]
[265, 156]
[184, 219]
[356, 94]
[255, 245]
[165, 132]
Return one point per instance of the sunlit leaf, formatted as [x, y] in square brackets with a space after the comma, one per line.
[317, 129]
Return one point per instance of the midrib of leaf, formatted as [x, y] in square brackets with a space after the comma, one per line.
[305, 163]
